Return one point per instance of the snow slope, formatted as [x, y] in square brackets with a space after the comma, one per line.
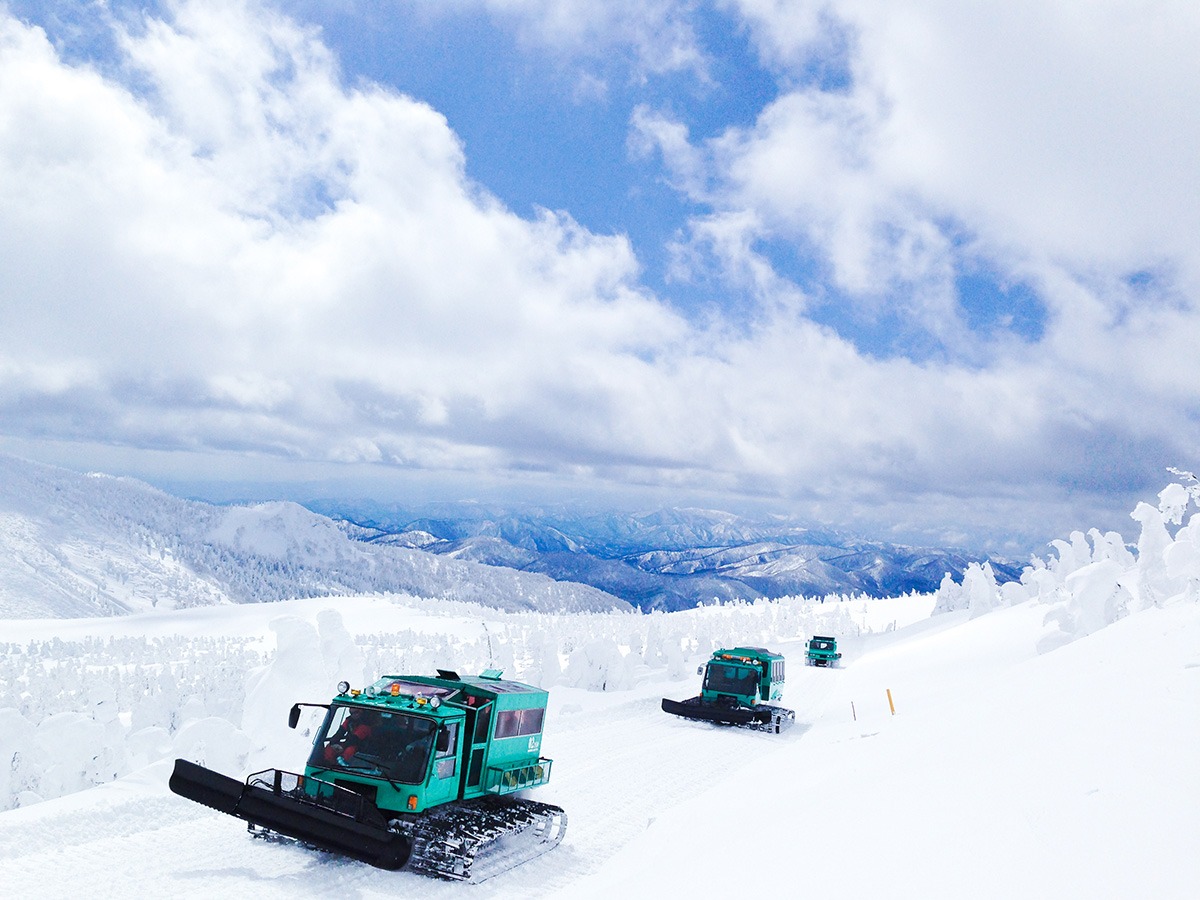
[85, 545]
[1003, 772]
[1035, 738]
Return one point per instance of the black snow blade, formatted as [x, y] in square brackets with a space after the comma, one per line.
[212, 789]
[694, 708]
[338, 821]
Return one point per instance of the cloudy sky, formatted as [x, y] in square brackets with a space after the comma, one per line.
[924, 266]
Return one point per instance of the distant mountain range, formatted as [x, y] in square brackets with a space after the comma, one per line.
[85, 545]
[667, 559]
[76, 545]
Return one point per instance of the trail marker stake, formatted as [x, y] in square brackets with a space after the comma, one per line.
[891, 705]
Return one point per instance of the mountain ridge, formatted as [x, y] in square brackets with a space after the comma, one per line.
[666, 559]
[75, 545]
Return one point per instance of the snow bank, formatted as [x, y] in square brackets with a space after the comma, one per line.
[1095, 579]
[130, 701]
[76, 713]
[309, 661]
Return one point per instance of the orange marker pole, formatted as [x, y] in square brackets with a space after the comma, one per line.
[891, 705]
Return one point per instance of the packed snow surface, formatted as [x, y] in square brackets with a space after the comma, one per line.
[1003, 772]
[1036, 738]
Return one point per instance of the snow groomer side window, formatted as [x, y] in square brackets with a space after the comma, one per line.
[519, 722]
[447, 749]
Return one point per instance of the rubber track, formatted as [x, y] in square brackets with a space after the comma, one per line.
[476, 840]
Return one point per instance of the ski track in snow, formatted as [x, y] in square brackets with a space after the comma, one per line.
[620, 761]
[1042, 744]
[1024, 768]
[610, 764]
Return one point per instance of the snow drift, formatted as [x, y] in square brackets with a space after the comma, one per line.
[1038, 726]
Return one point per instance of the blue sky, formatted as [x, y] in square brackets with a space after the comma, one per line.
[920, 269]
[542, 128]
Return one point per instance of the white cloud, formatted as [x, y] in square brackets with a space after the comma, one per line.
[232, 251]
[788, 34]
[1050, 143]
[1049, 130]
[162, 232]
[658, 32]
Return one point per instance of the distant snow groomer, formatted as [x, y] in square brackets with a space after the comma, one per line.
[415, 771]
[736, 682]
[822, 650]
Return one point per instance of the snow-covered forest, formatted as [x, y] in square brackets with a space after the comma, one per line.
[78, 712]
[1003, 726]
[108, 706]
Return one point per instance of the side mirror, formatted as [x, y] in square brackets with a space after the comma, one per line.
[699, 670]
[294, 715]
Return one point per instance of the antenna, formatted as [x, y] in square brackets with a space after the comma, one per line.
[491, 661]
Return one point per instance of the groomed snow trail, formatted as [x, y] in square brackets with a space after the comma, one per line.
[620, 766]
[619, 763]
